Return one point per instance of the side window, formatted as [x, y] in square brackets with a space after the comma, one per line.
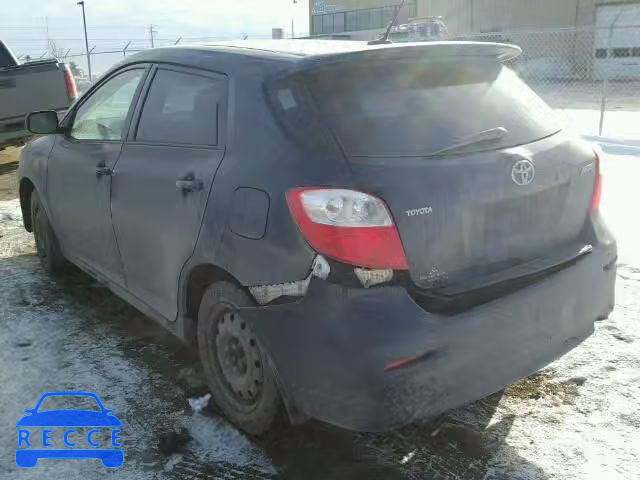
[182, 108]
[103, 115]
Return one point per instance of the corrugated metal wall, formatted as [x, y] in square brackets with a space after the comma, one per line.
[464, 16]
[355, 4]
[557, 36]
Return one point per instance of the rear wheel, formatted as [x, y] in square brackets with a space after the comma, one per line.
[241, 379]
[47, 245]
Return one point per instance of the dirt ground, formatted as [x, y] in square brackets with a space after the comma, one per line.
[576, 419]
[8, 169]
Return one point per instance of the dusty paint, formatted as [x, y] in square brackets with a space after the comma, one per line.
[577, 419]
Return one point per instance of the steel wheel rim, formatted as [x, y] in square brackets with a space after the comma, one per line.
[238, 360]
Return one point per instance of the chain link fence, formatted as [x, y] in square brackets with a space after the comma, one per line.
[590, 76]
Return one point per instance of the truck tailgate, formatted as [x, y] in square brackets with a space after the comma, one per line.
[29, 87]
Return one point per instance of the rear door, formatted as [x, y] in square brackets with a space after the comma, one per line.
[470, 161]
[163, 179]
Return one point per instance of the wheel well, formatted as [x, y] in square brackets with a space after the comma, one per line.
[199, 280]
[26, 187]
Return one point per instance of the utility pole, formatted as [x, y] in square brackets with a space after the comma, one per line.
[46, 26]
[293, 33]
[152, 31]
[86, 39]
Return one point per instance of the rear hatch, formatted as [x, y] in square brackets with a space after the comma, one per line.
[476, 172]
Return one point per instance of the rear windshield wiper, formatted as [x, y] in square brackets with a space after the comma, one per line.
[491, 135]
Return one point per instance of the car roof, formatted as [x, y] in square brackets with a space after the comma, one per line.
[265, 57]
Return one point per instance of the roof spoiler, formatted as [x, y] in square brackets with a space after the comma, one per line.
[501, 52]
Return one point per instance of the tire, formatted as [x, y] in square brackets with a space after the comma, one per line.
[47, 245]
[241, 379]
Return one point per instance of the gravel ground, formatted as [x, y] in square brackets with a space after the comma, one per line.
[576, 419]
[8, 167]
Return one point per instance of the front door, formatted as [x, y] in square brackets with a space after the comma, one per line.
[80, 170]
[163, 180]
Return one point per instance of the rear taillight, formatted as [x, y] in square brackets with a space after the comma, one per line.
[72, 91]
[349, 226]
[597, 187]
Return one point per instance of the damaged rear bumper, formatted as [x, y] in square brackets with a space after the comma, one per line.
[331, 347]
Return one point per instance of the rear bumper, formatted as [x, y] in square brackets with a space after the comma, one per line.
[331, 347]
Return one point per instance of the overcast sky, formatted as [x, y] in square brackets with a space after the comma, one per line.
[112, 23]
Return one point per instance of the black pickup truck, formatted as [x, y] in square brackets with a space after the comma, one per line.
[38, 85]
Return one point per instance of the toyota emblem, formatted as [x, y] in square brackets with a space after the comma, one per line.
[522, 172]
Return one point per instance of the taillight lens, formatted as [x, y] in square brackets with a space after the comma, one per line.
[72, 91]
[597, 187]
[346, 225]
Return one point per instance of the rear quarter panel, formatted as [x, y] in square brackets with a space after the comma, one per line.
[260, 155]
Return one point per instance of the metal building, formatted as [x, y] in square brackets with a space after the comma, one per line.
[580, 37]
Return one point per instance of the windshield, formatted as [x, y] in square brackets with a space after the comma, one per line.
[416, 108]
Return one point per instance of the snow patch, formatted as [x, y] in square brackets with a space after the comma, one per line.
[14, 239]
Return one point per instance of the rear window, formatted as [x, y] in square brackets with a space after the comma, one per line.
[404, 108]
[182, 108]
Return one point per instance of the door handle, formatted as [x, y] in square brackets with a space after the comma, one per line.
[102, 170]
[188, 184]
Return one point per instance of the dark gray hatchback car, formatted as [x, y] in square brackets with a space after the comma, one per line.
[362, 234]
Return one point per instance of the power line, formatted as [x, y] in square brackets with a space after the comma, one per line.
[69, 39]
[13, 26]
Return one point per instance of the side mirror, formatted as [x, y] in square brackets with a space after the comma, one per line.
[42, 122]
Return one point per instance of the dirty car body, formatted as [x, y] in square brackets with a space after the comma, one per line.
[415, 231]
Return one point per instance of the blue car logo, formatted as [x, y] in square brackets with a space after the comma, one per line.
[28, 452]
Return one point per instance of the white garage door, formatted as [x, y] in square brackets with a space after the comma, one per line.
[617, 42]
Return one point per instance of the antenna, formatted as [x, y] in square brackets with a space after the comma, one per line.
[385, 38]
